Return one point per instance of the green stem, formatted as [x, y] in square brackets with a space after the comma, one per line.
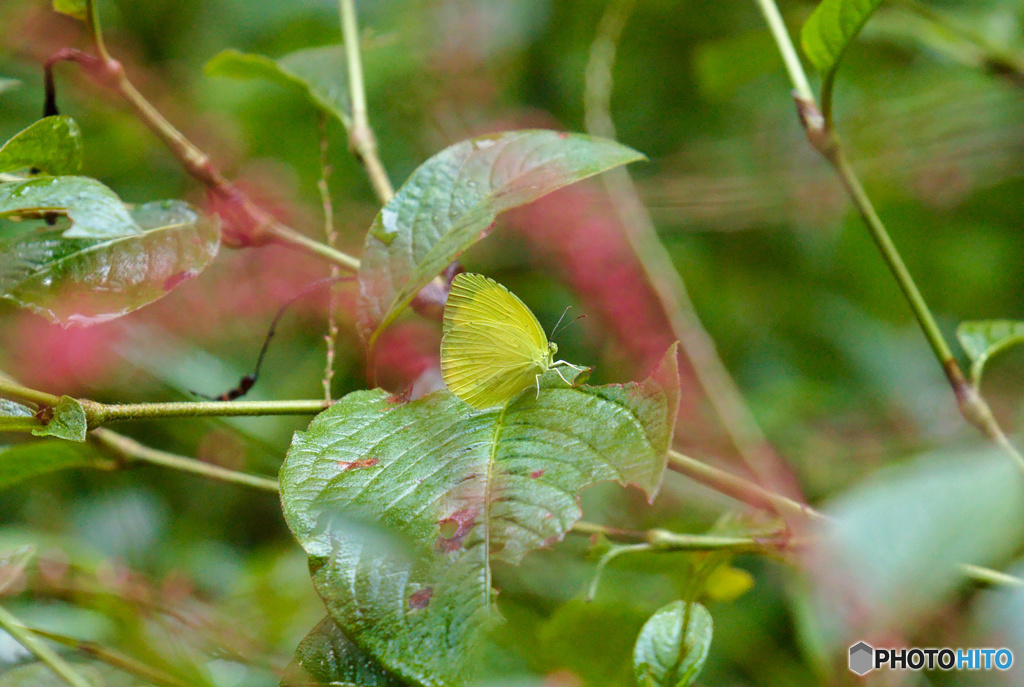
[739, 488]
[801, 86]
[114, 658]
[991, 577]
[10, 624]
[17, 392]
[361, 135]
[93, 14]
[101, 413]
[131, 451]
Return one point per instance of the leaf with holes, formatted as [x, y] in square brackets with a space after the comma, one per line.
[665, 655]
[450, 202]
[85, 281]
[831, 28]
[94, 210]
[327, 657]
[985, 338]
[403, 507]
[319, 73]
[52, 145]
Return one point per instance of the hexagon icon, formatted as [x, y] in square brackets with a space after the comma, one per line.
[862, 658]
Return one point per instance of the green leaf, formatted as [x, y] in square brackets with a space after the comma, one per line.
[52, 145]
[85, 281]
[73, 8]
[450, 202]
[94, 210]
[983, 339]
[327, 657]
[22, 462]
[892, 549]
[403, 508]
[831, 28]
[8, 84]
[319, 73]
[66, 420]
[661, 657]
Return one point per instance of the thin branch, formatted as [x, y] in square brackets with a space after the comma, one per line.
[664, 540]
[114, 658]
[991, 577]
[822, 137]
[129, 451]
[102, 413]
[361, 137]
[331, 236]
[739, 488]
[250, 225]
[10, 624]
[668, 284]
[17, 392]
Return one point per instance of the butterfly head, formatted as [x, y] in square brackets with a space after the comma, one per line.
[552, 350]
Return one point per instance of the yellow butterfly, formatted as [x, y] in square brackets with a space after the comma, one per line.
[493, 347]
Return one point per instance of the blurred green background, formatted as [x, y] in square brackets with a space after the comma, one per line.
[204, 577]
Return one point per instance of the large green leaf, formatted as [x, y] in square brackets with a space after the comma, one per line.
[84, 281]
[832, 27]
[22, 462]
[327, 657]
[66, 420]
[403, 507]
[319, 73]
[662, 657]
[450, 202]
[94, 210]
[983, 339]
[52, 145]
[892, 550]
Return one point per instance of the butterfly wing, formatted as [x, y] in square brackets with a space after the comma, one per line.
[488, 363]
[475, 298]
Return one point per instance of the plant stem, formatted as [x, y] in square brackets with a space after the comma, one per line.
[822, 137]
[17, 392]
[361, 136]
[331, 237]
[250, 225]
[101, 413]
[114, 658]
[991, 577]
[739, 488]
[131, 451]
[668, 284]
[10, 624]
[93, 18]
[801, 85]
[672, 541]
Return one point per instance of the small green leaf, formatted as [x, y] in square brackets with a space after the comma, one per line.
[67, 421]
[983, 339]
[831, 28]
[85, 281]
[23, 462]
[319, 73]
[403, 507]
[892, 549]
[450, 202]
[661, 657]
[94, 210]
[327, 657]
[52, 145]
[73, 8]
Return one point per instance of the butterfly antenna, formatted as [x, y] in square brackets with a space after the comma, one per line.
[248, 381]
[561, 317]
